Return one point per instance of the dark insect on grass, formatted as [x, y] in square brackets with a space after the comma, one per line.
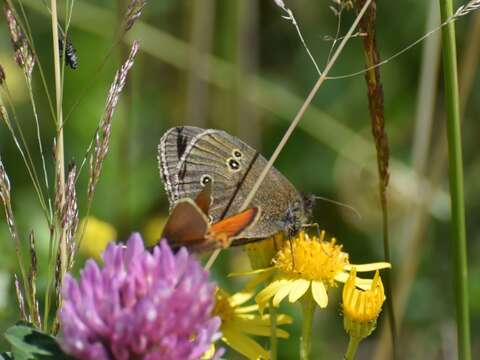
[71, 57]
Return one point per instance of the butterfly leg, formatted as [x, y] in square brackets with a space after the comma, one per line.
[313, 225]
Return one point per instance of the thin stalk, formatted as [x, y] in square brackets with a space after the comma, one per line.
[273, 332]
[39, 138]
[59, 149]
[24, 152]
[308, 310]
[455, 171]
[352, 348]
[377, 115]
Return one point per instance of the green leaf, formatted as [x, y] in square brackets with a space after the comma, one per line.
[29, 343]
[6, 356]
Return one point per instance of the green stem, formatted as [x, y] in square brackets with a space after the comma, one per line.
[273, 332]
[352, 348]
[59, 148]
[456, 181]
[308, 307]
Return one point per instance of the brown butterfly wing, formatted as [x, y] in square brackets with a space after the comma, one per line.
[204, 198]
[186, 225]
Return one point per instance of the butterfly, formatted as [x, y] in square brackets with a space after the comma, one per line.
[191, 158]
[188, 224]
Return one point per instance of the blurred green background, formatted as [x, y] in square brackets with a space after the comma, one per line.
[248, 75]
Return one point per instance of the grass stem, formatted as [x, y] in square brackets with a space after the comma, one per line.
[455, 171]
[59, 148]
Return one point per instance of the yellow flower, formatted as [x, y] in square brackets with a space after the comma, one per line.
[309, 263]
[362, 307]
[239, 321]
[153, 228]
[96, 237]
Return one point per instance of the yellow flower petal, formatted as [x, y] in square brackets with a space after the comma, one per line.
[253, 328]
[265, 319]
[368, 267]
[284, 319]
[320, 294]
[259, 279]
[240, 298]
[283, 292]
[252, 272]
[342, 277]
[300, 287]
[361, 283]
[246, 309]
[244, 345]
[266, 294]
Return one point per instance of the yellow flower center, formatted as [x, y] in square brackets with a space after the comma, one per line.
[312, 258]
[223, 309]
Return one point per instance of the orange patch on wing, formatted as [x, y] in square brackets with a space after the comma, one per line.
[234, 225]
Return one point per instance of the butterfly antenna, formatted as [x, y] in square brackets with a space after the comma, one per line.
[349, 207]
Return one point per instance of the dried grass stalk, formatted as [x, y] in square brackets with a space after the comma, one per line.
[20, 300]
[12, 227]
[68, 220]
[69, 216]
[58, 288]
[469, 7]
[58, 277]
[6, 200]
[2, 75]
[23, 53]
[134, 11]
[4, 114]
[102, 135]
[289, 16]
[32, 280]
[375, 91]
[377, 114]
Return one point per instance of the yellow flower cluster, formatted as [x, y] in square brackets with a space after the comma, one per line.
[309, 263]
[239, 321]
[303, 268]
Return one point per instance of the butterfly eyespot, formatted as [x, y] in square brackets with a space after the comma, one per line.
[205, 179]
[237, 153]
[233, 164]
